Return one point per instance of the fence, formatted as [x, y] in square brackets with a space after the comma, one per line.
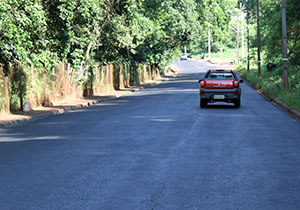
[41, 86]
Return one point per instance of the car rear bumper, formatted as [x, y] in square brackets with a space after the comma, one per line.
[220, 94]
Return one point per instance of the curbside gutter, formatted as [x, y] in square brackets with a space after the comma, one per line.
[292, 112]
[59, 111]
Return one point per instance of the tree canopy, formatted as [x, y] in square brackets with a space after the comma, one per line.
[271, 29]
[106, 31]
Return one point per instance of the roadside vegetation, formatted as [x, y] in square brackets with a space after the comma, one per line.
[223, 40]
[271, 81]
[227, 54]
[271, 84]
[224, 46]
[51, 49]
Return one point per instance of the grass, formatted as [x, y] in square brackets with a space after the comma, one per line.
[271, 83]
[227, 54]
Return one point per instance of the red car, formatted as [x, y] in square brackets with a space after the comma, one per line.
[220, 85]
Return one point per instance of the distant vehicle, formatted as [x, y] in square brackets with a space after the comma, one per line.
[220, 85]
[184, 56]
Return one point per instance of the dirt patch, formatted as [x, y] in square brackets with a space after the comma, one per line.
[69, 103]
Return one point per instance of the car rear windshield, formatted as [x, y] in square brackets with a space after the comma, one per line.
[220, 75]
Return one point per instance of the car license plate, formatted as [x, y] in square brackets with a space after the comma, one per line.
[219, 97]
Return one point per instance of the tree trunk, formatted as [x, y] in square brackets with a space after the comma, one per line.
[32, 98]
[121, 77]
[86, 88]
[128, 75]
[153, 71]
[92, 80]
[131, 73]
[145, 72]
[63, 77]
[6, 88]
[20, 85]
[137, 75]
[111, 77]
[107, 80]
[46, 100]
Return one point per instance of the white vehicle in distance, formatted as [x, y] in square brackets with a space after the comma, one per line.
[184, 56]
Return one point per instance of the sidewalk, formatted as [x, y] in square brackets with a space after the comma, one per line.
[66, 105]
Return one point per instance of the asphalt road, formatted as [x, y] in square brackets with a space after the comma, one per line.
[155, 149]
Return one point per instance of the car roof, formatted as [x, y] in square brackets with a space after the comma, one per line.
[220, 71]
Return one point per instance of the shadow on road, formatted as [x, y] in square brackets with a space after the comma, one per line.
[220, 106]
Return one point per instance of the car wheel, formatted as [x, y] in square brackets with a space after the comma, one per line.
[203, 103]
[237, 103]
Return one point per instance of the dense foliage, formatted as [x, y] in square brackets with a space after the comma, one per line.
[86, 31]
[22, 30]
[272, 36]
[215, 18]
[83, 33]
[271, 82]
[271, 29]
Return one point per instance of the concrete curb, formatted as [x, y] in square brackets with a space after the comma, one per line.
[53, 113]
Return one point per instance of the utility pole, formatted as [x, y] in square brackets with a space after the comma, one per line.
[284, 48]
[243, 37]
[248, 43]
[240, 19]
[237, 30]
[258, 41]
[209, 47]
[248, 39]
[238, 44]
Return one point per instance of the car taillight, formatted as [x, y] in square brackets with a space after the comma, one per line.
[235, 84]
[202, 84]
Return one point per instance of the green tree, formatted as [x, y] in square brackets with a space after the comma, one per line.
[22, 28]
[272, 31]
[215, 16]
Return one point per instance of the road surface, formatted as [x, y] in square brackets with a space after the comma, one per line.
[155, 149]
